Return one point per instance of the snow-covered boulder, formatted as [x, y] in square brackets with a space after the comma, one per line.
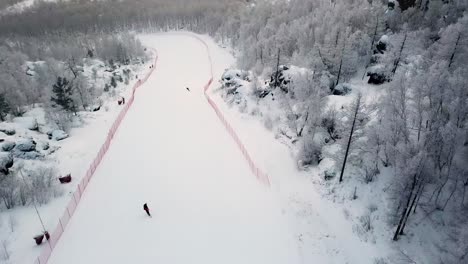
[233, 79]
[8, 145]
[34, 126]
[294, 79]
[45, 145]
[377, 75]
[8, 131]
[57, 135]
[342, 89]
[31, 155]
[382, 44]
[28, 121]
[329, 174]
[26, 145]
[52, 149]
[6, 162]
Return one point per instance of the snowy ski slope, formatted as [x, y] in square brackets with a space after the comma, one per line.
[173, 153]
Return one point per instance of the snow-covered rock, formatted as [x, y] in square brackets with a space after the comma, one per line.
[45, 145]
[26, 122]
[6, 162]
[34, 126]
[31, 155]
[8, 131]
[8, 145]
[57, 135]
[381, 46]
[342, 89]
[233, 79]
[26, 145]
[377, 75]
[329, 174]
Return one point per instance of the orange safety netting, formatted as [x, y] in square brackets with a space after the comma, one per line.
[76, 197]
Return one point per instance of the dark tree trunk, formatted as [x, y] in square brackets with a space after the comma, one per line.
[417, 201]
[411, 208]
[299, 134]
[358, 104]
[372, 47]
[405, 211]
[397, 61]
[341, 64]
[339, 70]
[454, 50]
[277, 69]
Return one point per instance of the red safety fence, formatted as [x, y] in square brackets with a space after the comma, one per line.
[261, 176]
[76, 197]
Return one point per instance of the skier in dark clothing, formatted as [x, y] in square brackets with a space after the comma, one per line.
[187, 89]
[145, 207]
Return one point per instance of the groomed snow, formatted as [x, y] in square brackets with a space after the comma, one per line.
[172, 152]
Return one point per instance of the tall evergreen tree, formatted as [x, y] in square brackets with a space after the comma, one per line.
[4, 107]
[63, 91]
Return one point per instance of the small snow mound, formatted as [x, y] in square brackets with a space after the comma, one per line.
[232, 74]
[27, 122]
[57, 135]
[31, 155]
[8, 145]
[26, 145]
[6, 162]
[377, 74]
[7, 130]
[45, 145]
[233, 79]
[384, 39]
[342, 89]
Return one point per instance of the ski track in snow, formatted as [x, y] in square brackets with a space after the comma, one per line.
[173, 153]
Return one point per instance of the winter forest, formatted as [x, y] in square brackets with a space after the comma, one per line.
[370, 96]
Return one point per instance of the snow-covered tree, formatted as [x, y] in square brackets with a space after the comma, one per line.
[63, 92]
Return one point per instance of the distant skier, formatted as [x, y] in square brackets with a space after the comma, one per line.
[145, 207]
[187, 89]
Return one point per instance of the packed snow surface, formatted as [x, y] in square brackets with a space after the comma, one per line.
[172, 152]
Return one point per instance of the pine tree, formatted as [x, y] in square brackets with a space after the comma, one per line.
[4, 107]
[63, 91]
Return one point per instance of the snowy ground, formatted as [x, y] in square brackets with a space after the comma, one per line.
[173, 153]
[73, 155]
[324, 229]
